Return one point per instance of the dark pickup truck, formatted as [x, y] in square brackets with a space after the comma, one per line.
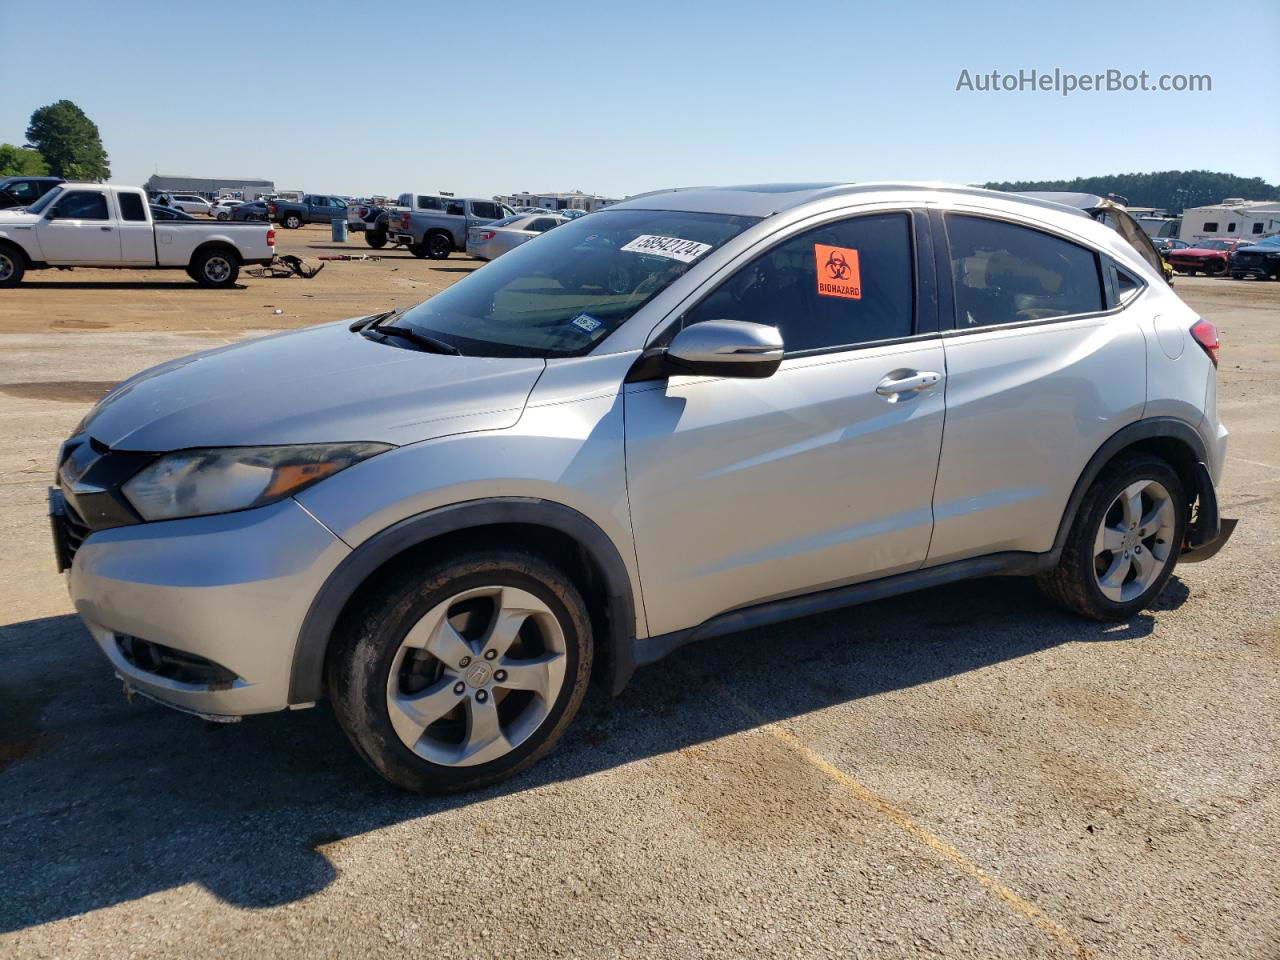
[314, 208]
[24, 191]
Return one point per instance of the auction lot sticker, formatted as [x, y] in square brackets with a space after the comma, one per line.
[673, 248]
[838, 272]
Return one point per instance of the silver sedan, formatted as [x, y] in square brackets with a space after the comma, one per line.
[492, 240]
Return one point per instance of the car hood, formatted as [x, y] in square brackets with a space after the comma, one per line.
[320, 385]
[13, 216]
[1199, 252]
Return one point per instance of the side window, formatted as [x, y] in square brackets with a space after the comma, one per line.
[840, 284]
[485, 211]
[1127, 286]
[541, 225]
[1231, 228]
[1257, 228]
[1211, 227]
[131, 207]
[1004, 273]
[454, 208]
[82, 205]
[26, 192]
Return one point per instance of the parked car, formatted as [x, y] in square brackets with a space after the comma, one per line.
[24, 191]
[493, 240]
[313, 208]
[377, 229]
[98, 225]
[571, 214]
[361, 211]
[1210, 257]
[222, 209]
[253, 210]
[688, 414]
[168, 213]
[1261, 260]
[436, 234]
[190, 203]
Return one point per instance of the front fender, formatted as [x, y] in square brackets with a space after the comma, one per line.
[25, 239]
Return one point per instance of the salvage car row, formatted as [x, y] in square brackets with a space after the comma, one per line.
[1221, 257]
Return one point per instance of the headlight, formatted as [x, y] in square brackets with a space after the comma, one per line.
[194, 483]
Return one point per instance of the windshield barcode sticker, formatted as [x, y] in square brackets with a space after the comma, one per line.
[673, 248]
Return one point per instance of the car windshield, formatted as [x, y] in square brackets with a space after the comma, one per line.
[48, 198]
[1216, 245]
[565, 292]
[1269, 242]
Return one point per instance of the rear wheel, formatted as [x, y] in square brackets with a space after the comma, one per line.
[419, 250]
[12, 267]
[215, 268]
[439, 246]
[376, 238]
[1124, 543]
[462, 673]
[291, 221]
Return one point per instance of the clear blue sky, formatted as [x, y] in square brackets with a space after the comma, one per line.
[617, 98]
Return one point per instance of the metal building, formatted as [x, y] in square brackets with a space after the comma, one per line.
[210, 187]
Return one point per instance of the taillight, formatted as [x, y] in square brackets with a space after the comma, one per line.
[1206, 335]
[364, 212]
[271, 238]
[404, 221]
[483, 235]
[272, 208]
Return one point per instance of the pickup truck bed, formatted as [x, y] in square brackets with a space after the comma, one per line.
[98, 225]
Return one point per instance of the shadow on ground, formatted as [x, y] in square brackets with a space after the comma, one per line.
[104, 801]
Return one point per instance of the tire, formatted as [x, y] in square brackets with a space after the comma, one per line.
[1099, 583]
[216, 268]
[222, 217]
[291, 221]
[439, 246]
[12, 266]
[386, 653]
[418, 250]
[376, 238]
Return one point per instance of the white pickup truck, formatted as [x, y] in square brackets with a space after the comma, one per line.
[96, 225]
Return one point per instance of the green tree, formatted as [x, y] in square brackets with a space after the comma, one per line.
[21, 162]
[69, 142]
[1172, 190]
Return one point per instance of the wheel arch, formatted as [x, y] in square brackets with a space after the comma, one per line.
[19, 249]
[208, 246]
[440, 232]
[555, 531]
[1174, 441]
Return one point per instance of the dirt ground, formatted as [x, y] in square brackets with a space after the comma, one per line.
[960, 773]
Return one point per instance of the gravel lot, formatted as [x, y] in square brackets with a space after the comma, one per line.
[963, 773]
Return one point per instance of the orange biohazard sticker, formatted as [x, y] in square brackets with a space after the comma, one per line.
[838, 273]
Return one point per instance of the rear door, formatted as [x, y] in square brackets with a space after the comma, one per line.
[742, 491]
[137, 236]
[80, 228]
[1040, 372]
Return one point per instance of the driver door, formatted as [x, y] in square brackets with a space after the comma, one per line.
[80, 229]
[744, 491]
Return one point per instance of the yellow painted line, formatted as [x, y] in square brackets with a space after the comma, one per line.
[1010, 898]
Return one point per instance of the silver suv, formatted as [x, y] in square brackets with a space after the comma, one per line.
[688, 414]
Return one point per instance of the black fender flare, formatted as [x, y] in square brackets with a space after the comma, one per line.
[1151, 428]
[306, 680]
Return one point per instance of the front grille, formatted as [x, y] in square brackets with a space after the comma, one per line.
[171, 664]
[74, 530]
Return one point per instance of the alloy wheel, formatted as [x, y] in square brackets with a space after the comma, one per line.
[6, 267]
[1134, 542]
[476, 676]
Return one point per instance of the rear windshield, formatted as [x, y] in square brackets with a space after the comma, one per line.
[578, 283]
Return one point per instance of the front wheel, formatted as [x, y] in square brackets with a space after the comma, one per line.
[215, 268]
[1124, 542]
[12, 267]
[464, 672]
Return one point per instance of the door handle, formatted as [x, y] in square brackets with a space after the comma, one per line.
[907, 381]
[106, 229]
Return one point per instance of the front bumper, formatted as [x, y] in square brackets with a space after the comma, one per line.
[232, 590]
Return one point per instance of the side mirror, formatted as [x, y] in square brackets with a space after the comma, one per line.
[725, 348]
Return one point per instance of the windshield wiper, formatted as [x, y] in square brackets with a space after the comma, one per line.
[430, 344]
[364, 323]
